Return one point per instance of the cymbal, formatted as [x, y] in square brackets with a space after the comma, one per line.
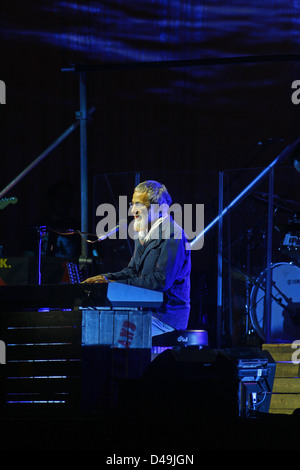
[276, 198]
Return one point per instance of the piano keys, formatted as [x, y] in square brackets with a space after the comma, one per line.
[63, 296]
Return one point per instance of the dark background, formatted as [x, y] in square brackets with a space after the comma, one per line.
[181, 125]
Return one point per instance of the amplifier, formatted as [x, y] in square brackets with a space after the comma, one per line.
[255, 372]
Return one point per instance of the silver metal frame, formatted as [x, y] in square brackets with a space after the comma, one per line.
[219, 220]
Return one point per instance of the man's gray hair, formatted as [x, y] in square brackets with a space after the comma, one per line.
[157, 193]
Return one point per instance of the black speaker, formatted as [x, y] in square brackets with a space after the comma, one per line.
[255, 372]
[205, 383]
[183, 383]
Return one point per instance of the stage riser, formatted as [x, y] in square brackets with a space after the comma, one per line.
[286, 388]
[56, 361]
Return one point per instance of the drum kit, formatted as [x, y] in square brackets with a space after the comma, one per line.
[285, 291]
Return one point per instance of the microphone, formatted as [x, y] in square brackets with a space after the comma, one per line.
[122, 224]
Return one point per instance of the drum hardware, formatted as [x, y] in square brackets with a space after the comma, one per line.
[285, 297]
[291, 242]
[278, 300]
[291, 246]
[290, 307]
[280, 202]
[247, 279]
[294, 312]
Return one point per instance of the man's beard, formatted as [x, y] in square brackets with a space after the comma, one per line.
[141, 223]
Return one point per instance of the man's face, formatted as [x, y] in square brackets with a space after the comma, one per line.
[140, 211]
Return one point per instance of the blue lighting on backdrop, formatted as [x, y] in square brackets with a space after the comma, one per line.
[158, 30]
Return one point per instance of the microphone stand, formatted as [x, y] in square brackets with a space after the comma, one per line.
[40, 233]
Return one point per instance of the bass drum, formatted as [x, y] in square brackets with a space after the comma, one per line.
[285, 303]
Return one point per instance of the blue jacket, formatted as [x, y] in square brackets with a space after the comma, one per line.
[162, 264]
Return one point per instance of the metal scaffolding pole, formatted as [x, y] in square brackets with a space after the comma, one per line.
[268, 299]
[83, 117]
[220, 263]
[39, 158]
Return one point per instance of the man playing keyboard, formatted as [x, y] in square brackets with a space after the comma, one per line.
[161, 260]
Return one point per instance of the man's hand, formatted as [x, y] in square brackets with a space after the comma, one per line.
[96, 279]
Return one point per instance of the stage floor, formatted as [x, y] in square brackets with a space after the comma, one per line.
[147, 433]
